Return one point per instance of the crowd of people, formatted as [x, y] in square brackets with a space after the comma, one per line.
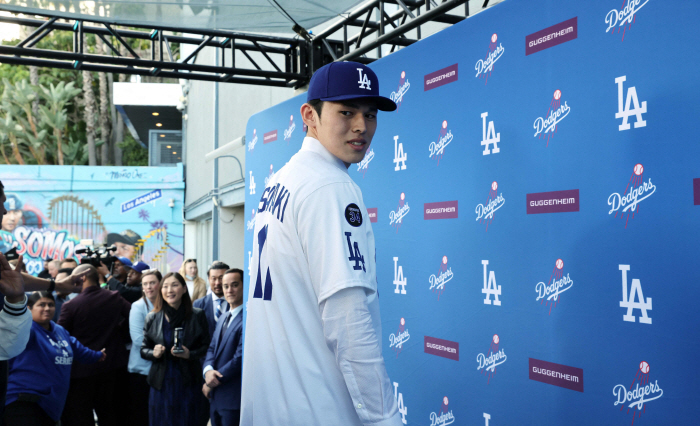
[126, 345]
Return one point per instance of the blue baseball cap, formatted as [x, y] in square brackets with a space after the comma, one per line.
[340, 81]
[140, 266]
[126, 262]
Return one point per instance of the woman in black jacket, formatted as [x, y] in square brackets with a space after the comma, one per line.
[175, 378]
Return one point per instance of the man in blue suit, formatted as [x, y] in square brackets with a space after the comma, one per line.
[222, 366]
[214, 304]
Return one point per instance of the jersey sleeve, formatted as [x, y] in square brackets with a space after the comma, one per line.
[332, 229]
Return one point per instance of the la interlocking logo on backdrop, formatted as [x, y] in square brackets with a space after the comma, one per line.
[635, 300]
[400, 281]
[490, 286]
[558, 283]
[400, 156]
[489, 137]
[639, 393]
[251, 184]
[632, 107]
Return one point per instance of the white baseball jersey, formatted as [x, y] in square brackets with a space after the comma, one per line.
[312, 239]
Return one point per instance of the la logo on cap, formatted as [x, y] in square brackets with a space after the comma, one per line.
[364, 80]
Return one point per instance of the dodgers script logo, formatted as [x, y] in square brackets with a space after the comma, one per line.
[437, 149]
[396, 217]
[636, 191]
[493, 358]
[625, 17]
[484, 67]
[362, 165]
[404, 85]
[288, 131]
[547, 125]
[254, 141]
[269, 176]
[396, 340]
[251, 223]
[557, 284]
[485, 212]
[636, 299]
[644, 391]
[444, 275]
[444, 417]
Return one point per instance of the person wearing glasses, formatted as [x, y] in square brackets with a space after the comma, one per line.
[139, 367]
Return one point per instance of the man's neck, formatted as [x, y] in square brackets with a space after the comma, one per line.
[218, 296]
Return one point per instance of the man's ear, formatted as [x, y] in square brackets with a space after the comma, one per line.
[309, 116]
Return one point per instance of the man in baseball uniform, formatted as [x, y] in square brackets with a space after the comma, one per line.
[312, 351]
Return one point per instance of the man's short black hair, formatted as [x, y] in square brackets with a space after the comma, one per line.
[235, 271]
[317, 104]
[217, 265]
[65, 271]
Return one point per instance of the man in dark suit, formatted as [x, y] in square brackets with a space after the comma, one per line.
[222, 366]
[98, 318]
[214, 305]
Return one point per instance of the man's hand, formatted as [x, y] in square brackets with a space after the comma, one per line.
[11, 282]
[212, 378]
[103, 270]
[72, 283]
[158, 351]
[206, 391]
[184, 355]
[104, 354]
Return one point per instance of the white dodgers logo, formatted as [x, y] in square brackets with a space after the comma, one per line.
[62, 357]
[404, 85]
[251, 222]
[444, 275]
[636, 191]
[484, 67]
[362, 165]
[640, 392]
[253, 142]
[490, 137]
[252, 183]
[627, 111]
[493, 358]
[400, 156]
[364, 80]
[485, 212]
[396, 217]
[557, 284]
[399, 279]
[399, 403]
[636, 299]
[490, 287]
[625, 17]
[269, 176]
[437, 149]
[250, 263]
[444, 417]
[547, 125]
[396, 340]
[288, 131]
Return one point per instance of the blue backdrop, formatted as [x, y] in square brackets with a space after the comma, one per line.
[549, 204]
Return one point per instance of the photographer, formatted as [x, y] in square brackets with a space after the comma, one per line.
[117, 281]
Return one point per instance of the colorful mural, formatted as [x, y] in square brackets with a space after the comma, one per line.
[52, 211]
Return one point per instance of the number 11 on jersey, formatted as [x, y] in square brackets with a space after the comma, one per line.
[258, 294]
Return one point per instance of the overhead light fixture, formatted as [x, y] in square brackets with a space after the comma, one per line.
[162, 136]
[155, 114]
[174, 152]
[168, 146]
[159, 124]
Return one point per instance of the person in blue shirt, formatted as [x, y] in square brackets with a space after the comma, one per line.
[139, 389]
[39, 376]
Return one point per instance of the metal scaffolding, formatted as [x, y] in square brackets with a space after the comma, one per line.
[286, 61]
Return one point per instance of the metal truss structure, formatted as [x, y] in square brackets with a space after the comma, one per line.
[286, 61]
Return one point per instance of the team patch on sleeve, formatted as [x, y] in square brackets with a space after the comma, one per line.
[353, 215]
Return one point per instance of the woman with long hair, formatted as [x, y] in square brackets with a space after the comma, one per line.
[139, 367]
[39, 377]
[175, 377]
[196, 286]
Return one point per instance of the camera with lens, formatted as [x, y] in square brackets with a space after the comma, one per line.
[98, 256]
